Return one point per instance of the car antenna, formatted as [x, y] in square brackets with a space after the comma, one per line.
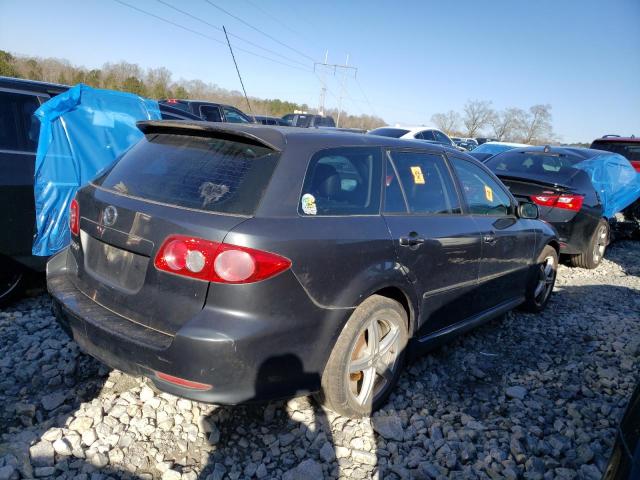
[237, 70]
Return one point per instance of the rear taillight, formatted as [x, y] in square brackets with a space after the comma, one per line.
[567, 202]
[217, 262]
[74, 217]
[636, 165]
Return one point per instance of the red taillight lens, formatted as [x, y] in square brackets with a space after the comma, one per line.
[636, 165]
[567, 202]
[182, 382]
[74, 217]
[217, 262]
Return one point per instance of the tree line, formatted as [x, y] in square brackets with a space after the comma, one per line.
[478, 118]
[157, 83]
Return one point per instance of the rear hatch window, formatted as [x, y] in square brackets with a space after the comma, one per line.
[630, 150]
[200, 173]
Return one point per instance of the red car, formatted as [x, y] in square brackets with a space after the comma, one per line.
[628, 147]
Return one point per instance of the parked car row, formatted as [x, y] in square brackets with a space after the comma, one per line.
[178, 268]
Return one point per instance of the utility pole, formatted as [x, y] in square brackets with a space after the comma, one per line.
[323, 67]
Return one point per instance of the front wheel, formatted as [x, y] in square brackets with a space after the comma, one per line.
[541, 281]
[367, 358]
[594, 253]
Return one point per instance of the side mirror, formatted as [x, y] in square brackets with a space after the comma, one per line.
[528, 210]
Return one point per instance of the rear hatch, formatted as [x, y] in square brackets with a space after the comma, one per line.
[177, 180]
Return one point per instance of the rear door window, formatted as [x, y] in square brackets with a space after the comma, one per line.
[208, 174]
[19, 129]
[483, 194]
[342, 181]
[423, 180]
[426, 135]
[210, 113]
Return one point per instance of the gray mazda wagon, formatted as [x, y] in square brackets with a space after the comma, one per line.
[236, 263]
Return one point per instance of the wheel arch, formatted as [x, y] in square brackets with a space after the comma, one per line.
[396, 293]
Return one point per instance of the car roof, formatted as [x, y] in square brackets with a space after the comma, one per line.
[611, 138]
[33, 85]
[508, 144]
[277, 137]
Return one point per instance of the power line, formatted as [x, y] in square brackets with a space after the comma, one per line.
[204, 35]
[259, 31]
[277, 20]
[230, 34]
[365, 97]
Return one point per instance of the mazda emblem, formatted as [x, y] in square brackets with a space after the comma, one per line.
[109, 215]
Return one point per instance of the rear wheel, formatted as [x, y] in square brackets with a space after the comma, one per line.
[367, 358]
[541, 281]
[594, 253]
[11, 280]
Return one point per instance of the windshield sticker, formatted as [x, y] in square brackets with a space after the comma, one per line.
[418, 178]
[309, 204]
[488, 193]
[212, 192]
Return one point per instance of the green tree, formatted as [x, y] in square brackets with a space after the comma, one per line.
[134, 85]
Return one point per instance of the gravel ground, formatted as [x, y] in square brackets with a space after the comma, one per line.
[522, 397]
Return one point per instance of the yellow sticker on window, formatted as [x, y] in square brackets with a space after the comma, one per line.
[488, 193]
[418, 178]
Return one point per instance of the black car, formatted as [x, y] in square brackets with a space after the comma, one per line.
[625, 459]
[171, 113]
[565, 195]
[211, 112]
[266, 120]
[231, 263]
[19, 131]
[307, 120]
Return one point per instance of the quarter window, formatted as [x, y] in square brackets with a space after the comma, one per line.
[342, 181]
[426, 135]
[425, 182]
[19, 129]
[484, 195]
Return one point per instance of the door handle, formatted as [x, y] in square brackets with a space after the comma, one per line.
[412, 240]
[489, 238]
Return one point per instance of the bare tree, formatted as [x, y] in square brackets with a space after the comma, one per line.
[477, 114]
[536, 127]
[447, 122]
[507, 123]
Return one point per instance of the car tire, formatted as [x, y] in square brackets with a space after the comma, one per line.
[541, 280]
[367, 358]
[594, 254]
[12, 279]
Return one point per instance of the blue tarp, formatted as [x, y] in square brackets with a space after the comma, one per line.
[82, 132]
[615, 180]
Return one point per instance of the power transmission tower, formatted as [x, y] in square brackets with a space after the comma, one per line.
[324, 67]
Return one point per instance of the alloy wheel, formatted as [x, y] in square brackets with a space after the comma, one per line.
[600, 244]
[546, 279]
[373, 361]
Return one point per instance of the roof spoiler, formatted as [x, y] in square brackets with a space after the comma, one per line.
[205, 129]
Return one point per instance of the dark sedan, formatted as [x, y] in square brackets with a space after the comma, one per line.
[237, 263]
[565, 195]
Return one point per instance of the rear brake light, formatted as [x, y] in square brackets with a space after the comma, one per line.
[74, 217]
[217, 262]
[636, 165]
[567, 202]
[181, 382]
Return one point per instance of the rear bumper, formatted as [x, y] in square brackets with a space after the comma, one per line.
[574, 235]
[261, 362]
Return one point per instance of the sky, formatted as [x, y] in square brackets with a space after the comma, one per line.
[413, 58]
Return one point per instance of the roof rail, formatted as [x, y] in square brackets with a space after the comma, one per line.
[610, 135]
